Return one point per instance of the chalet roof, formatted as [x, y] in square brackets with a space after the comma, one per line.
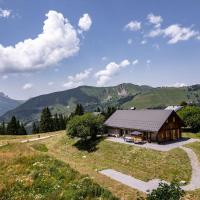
[142, 120]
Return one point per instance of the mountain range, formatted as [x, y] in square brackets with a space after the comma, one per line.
[7, 103]
[124, 95]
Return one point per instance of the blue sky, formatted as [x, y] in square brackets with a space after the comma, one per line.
[52, 45]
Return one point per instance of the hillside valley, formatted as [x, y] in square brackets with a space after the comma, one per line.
[7, 103]
[123, 96]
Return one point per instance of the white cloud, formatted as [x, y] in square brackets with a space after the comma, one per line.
[5, 13]
[27, 86]
[71, 84]
[155, 32]
[58, 41]
[80, 76]
[156, 46]
[130, 41]
[175, 33]
[135, 62]
[124, 63]
[4, 77]
[178, 85]
[156, 20]
[148, 62]
[103, 76]
[50, 83]
[143, 42]
[133, 26]
[104, 58]
[76, 80]
[85, 22]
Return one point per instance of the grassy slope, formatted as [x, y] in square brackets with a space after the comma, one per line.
[191, 135]
[26, 174]
[159, 97]
[4, 139]
[140, 163]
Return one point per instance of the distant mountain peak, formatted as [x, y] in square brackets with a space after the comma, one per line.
[3, 95]
[6, 103]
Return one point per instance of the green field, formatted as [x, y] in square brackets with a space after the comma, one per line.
[17, 162]
[26, 174]
[159, 97]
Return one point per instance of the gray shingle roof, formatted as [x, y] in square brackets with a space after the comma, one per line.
[144, 120]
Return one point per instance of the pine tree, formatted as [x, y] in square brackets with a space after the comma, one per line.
[22, 130]
[62, 122]
[35, 128]
[46, 122]
[98, 109]
[56, 123]
[79, 110]
[18, 126]
[3, 128]
[12, 128]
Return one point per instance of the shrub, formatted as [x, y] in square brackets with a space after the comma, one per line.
[166, 192]
[191, 117]
[85, 126]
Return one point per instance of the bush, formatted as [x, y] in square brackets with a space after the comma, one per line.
[191, 117]
[86, 126]
[166, 192]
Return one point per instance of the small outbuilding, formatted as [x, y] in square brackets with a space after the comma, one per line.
[151, 125]
[174, 108]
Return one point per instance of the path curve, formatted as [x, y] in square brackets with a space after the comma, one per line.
[195, 179]
[153, 184]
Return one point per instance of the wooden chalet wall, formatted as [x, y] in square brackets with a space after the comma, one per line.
[171, 129]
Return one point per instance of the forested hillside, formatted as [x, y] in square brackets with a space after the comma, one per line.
[123, 96]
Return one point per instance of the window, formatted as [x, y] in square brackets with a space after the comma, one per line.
[174, 119]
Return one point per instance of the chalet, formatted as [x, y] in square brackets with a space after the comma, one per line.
[153, 125]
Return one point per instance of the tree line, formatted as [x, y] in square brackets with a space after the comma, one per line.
[49, 122]
[13, 127]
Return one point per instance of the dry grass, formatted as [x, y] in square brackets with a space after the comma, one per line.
[29, 174]
[9, 139]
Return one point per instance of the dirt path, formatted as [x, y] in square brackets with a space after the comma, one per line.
[38, 138]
